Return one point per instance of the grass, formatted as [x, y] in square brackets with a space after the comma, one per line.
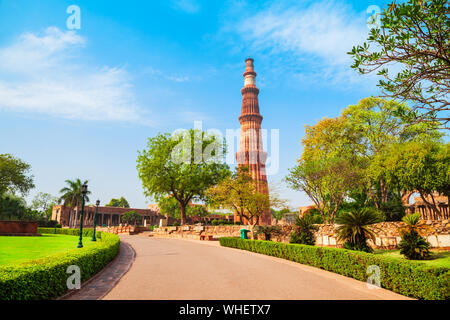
[439, 258]
[14, 250]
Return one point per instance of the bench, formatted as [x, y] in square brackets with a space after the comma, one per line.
[206, 237]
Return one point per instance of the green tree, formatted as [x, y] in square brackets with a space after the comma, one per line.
[304, 229]
[119, 203]
[240, 193]
[183, 165]
[413, 36]
[44, 202]
[420, 165]
[71, 197]
[279, 214]
[131, 217]
[354, 228]
[14, 175]
[12, 207]
[326, 182]
[412, 245]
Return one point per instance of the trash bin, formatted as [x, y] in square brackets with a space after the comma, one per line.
[244, 233]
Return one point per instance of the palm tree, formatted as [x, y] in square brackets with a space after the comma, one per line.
[354, 229]
[71, 197]
[413, 246]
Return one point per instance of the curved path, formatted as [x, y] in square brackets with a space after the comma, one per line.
[185, 269]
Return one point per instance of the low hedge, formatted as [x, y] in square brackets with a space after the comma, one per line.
[46, 278]
[409, 278]
[70, 232]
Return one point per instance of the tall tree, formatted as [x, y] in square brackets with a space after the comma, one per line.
[420, 165]
[44, 202]
[240, 194]
[413, 42]
[71, 197]
[119, 203]
[14, 175]
[326, 182]
[183, 165]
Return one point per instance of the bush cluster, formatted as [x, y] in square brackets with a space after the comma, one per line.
[46, 278]
[221, 222]
[409, 278]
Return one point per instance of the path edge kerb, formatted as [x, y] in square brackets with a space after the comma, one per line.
[71, 293]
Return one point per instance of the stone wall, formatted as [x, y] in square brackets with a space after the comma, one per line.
[388, 233]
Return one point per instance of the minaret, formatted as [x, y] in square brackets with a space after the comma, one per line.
[251, 151]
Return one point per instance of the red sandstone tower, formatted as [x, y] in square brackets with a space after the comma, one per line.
[251, 151]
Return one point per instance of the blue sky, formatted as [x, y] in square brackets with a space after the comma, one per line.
[80, 103]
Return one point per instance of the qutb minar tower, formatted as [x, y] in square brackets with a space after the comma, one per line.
[251, 151]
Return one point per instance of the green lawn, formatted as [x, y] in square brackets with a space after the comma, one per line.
[20, 249]
[438, 258]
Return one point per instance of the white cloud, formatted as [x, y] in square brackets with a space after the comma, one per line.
[188, 6]
[313, 41]
[43, 73]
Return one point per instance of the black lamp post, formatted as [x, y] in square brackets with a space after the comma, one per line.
[97, 203]
[83, 194]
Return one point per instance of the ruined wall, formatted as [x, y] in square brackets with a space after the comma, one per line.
[388, 233]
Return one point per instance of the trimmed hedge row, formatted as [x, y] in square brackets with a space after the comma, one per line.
[46, 278]
[70, 232]
[409, 278]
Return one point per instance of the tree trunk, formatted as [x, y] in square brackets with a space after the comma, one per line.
[183, 214]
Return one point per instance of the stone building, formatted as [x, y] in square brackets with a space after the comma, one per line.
[426, 212]
[107, 216]
[251, 153]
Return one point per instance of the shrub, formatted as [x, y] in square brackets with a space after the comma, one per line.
[215, 222]
[268, 231]
[412, 245]
[409, 278]
[46, 278]
[304, 230]
[354, 228]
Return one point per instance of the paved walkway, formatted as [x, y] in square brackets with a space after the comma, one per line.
[99, 285]
[186, 269]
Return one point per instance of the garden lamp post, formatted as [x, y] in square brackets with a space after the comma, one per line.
[83, 194]
[97, 203]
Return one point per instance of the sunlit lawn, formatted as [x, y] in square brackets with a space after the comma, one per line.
[20, 249]
[438, 258]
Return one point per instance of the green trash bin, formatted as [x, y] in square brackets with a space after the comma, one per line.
[244, 233]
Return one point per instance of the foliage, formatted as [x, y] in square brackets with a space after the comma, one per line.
[304, 230]
[326, 182]
[71, 194]
[221, 222]
[409, 278]
[346, 158]
[46, 278]
[14, 175]
[420, 165]
[279, 214]
[44, 202]
[268, 231]
[354, 228]
[119, 203]
[12, 207]
[239, 192]
[413, 36]
[183, 165]
[131, 217]
[413, 246]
